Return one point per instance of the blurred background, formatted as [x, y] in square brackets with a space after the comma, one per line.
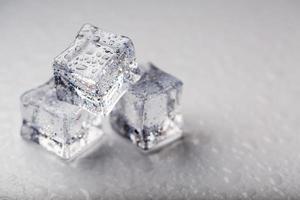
[239, 61]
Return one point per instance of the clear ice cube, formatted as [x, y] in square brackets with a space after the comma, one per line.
[62, 128]
[96, 70]
[149, 113]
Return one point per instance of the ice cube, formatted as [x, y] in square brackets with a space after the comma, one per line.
[62, 128]
[149, 113]
[96, 70]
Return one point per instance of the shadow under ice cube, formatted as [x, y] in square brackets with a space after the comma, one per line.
[96, 69]
[148, 114]
[62, 128]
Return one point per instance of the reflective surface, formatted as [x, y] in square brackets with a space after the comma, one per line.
[240, 66]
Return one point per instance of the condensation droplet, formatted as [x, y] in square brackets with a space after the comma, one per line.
[276, 179]
[96, 38]
[98, 54]
[68, 57]
[226, 179]
[111, 42]
[105, 57]
[77, 48]
[90, 51]
[81, 67]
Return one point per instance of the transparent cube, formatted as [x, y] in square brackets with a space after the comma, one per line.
[62, 128]
[96, 69]
[149, 113]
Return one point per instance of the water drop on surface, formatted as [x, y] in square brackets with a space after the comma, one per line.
[105, 57]
[77, 48]
[68, 57]
[276, 179]
[98, 54]
[111, 42]
[81, 67]
[96, 39]
[226, 179]
[90, 52]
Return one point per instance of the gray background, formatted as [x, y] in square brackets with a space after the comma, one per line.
[239, 61]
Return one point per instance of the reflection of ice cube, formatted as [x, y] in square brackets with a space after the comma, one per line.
[59, 127]
[96, 70]
[149, 113]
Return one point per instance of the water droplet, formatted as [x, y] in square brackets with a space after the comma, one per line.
[226, 179]
[105, 57]
[68, 57]
[276, 179]
[81, 67]
[96, 39]
[77, 48]
[90, 51]
[226, 170]
[214, 150]
[80, 36]
[111, 42]
[98, 54]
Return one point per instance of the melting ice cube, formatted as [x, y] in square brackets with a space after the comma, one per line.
[59, 127]
[96, 69]
[149, 113]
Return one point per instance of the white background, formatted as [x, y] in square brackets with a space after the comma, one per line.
[239, 61]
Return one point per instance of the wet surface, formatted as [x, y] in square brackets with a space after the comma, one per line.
[239, 63]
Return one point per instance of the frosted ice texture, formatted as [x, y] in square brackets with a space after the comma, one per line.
[96, 69]
[59, 127]
[149, 113]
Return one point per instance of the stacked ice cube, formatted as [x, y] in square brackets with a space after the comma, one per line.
[96, 70]
[91, 77]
